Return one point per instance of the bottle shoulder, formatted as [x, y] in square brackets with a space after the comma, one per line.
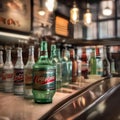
[8, 65]
[29, 65]
[47, 64]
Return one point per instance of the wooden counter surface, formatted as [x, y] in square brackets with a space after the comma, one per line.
[14, 107]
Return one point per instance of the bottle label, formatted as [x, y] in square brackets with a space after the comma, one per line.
[84, 66]
[28, 77]
[44, 79]
[8, 74]
[18, 77]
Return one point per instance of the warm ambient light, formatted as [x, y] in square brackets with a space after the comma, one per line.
[46, 5]
[41, 12]
[87, 17]
[74, 14]
[107, 11]
[50, 4]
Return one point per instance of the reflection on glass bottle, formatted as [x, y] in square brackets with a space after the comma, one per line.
[28, 74]
[8, 73]
[44, 77]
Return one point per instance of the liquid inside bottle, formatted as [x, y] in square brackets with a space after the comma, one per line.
[44, 77]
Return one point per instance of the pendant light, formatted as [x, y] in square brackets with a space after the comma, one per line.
[50, 5]
[107, 11]
[74, 14]
[87, 17]
[42, 10]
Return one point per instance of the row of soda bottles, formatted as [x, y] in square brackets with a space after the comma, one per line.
[39, 80]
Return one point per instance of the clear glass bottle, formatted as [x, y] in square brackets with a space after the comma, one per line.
[19, 74]
[59, 69]
[28, 74]
[55, 58]
[92, 63]
[74, 65]
[44, 77]
[8, 73]
[1, 70]
[106, 64]
[66, 67]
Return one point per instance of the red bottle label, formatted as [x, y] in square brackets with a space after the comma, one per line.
[18, 77]
[44, 80]
[8, 75]
[28, 77]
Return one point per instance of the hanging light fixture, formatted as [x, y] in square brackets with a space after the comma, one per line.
[107, 11]
[87, 17]
[42, 10]
[51, 5]
[74, 14]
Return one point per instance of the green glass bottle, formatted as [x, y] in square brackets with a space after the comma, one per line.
[44, 77]
[93, 65]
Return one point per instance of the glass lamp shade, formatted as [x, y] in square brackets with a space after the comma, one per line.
[41, 12]
[87, 18]
[107, 11]
[51, 5]
[74, 15]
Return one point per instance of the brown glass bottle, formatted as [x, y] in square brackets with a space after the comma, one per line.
[84, 65]
[74, 65]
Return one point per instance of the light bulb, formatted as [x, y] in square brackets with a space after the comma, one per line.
[87, 18]
[107, 11]
[74, 14]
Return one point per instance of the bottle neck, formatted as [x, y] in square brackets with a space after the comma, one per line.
[8, 55]
[58, 54]
[31, 54]
[43, 50]
[97, 52]
[1, 57]
[19, 54]
[53, 51]
[104, 53]
[72, 54]
[93, 54]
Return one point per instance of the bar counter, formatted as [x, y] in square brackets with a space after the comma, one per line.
[14, 107]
